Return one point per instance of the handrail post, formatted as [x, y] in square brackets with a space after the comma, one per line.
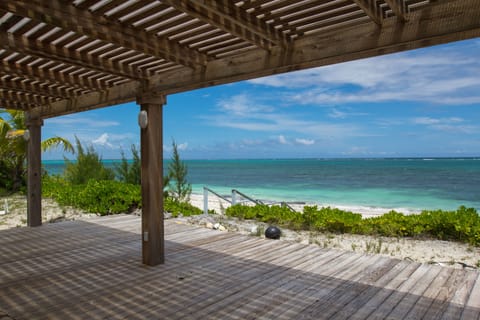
[205, 200]
[234, 197]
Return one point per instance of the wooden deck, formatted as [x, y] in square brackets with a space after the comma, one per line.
[93, 270]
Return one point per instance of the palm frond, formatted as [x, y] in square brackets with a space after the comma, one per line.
[15, 133]
[55, 142]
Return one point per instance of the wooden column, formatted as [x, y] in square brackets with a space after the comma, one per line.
[151, 143]
[34, 173]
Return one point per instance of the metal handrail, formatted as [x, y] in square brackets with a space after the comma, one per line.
[206, 190]
[217, 194]
[234, 201]
[256, 201]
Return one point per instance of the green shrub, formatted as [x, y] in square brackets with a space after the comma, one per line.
[130, 172]
[176, 208]
[109, 196]
[88, 166]
[102, 197]
[180, 188]
[460, 225]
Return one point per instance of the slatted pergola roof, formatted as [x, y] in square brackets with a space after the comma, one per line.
[64, 56]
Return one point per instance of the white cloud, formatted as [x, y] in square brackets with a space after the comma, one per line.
[430, 121]
[442, 76]
[336, 114]
[306, 142]
[357, 151]
[452, 125]
[103, 141]
[269, 119]
[282, 140]
[182, 146]
[241, 106]
[78, 121]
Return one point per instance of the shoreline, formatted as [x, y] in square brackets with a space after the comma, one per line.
[445, 253]
[219, 205]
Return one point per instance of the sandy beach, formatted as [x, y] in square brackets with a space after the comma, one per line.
[451, 254]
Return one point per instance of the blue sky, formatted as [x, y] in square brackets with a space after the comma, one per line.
[421, 103]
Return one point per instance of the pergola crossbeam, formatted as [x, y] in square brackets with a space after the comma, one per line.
[83, 22]
[371, 8]
[367, 40]
[224, 15]
[44, 89]
[398, 7]
[36, 48]
[44, 74]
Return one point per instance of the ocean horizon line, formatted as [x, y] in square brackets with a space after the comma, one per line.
[426, 158]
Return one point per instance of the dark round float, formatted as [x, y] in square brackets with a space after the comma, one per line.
[273, 232]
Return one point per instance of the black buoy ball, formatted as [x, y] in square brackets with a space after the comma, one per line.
[273, 233]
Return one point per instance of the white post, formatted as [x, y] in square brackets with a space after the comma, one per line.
[205, 200]
[234, 197]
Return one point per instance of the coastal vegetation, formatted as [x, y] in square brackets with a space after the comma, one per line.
[88, 185]
[13, 150]
[461, 225]
[180, 188]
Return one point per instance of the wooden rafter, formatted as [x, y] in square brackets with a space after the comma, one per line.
[41, 49]
[371, 8]
[442, 23]
[28, 98]
[118, 94]
[398, 7]
[43, 74]
[15, 105]
[35, 87]
[83, 22]
[232, 19]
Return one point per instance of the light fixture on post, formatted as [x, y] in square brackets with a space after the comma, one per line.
[143, 119]
[26, 135]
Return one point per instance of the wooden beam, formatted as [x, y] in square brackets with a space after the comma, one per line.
[151, 140]
[440, 23]
[36, 87]
[27, 98]
[118, 94]
[34, 172]
[226, 16]
[15, 105]
[444, 22]
[45, 74]
[371, 8]
[399, 8]
[66, 16]
[36, 48]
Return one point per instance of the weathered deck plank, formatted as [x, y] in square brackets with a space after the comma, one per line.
[92, 270]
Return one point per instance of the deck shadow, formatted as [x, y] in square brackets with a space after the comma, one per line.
[85, 270]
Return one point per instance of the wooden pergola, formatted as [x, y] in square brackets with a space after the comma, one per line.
[61, 56]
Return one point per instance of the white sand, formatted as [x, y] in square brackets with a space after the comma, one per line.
[450, 254]
[219, 205]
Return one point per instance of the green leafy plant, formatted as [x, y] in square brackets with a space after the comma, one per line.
[177, 208]
[460, 225]
[177, 172]
[88, 166]
[13, 149]
[130, 172]
[97, 196]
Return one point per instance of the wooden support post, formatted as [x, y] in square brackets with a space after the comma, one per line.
[34, 173]
[151, 142]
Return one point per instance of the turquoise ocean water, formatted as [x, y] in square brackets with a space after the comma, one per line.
[408, 184]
